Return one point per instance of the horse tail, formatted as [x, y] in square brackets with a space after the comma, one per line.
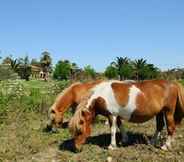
[179, 112]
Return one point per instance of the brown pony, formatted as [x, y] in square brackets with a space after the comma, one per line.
[70, 97]
[134, 102]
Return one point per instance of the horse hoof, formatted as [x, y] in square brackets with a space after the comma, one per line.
[106, 122]
[125, 139]
[111, 147]
[164, 148]
[152, 142]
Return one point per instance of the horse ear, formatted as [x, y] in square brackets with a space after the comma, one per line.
[92, 104]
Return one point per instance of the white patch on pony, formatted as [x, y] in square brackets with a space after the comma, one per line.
[113, 132]
[105, 91]
[127, 111]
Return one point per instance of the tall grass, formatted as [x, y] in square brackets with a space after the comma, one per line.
[34, 96]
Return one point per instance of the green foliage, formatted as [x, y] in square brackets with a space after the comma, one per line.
[62, 85]
[32, 96]
[7, 60]
[124, 67]
[126, 71]
[24, 69]
[62, 70]
[138, 69]
[144, 70]
[7, 73]
[10, 90]
[111, 72]
[89, 71]
[34, 100]
[46, 61]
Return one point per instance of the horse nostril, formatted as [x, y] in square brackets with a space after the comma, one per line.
[48, 128]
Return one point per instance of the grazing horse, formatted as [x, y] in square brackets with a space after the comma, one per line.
[70, 97]
[135, 102]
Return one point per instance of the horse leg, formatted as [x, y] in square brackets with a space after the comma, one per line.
[113, 133]
[159, 128]
[170, 129]
[122, 130]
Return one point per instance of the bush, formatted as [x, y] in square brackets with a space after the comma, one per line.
[111, 72]
[62, 70]
[7, 73]
[28, 97]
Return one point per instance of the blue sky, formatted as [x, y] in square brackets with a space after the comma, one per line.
[94, 31]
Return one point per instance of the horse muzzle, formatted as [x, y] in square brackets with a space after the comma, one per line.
[51, 128]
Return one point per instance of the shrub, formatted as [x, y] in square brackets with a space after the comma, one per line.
[7, 73]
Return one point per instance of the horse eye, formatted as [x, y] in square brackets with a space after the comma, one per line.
[52, 111]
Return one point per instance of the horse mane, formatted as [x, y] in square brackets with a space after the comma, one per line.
[78, 118]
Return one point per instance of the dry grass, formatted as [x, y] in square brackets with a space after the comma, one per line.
[23, 139]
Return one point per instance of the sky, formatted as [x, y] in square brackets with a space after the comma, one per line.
[94, 32]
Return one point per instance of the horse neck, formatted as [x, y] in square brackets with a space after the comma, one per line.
[64, 101]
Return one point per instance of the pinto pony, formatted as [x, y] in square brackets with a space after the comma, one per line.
[70, 97]
[135, 102]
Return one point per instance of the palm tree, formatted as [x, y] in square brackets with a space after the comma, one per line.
[24, 68]
[123, 67]
[46, 61]
[153, 71]
[15, 63]
[139, 67]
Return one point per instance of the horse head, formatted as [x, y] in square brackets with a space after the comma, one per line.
[55, 119]
[80, 123]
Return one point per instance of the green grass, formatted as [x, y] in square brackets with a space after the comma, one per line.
[23, 139]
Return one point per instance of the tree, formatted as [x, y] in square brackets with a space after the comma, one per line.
[111, 72]
[7, 60]
[46, 62]
[24, 69]
[152, 71]
[140, 66]
[124, 67]
[62, 70]
[74, 68]
[14, 63]
[7, 73]
[144, 70]
[89, 71]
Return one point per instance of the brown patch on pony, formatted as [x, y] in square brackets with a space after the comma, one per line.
[118, 88]
[80, 90]
[179, 112]
[64, 97]
[72, 95]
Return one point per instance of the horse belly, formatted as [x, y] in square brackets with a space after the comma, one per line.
[140, 118]
[144, 114]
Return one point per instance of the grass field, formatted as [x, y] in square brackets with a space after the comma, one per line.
[23, 138]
